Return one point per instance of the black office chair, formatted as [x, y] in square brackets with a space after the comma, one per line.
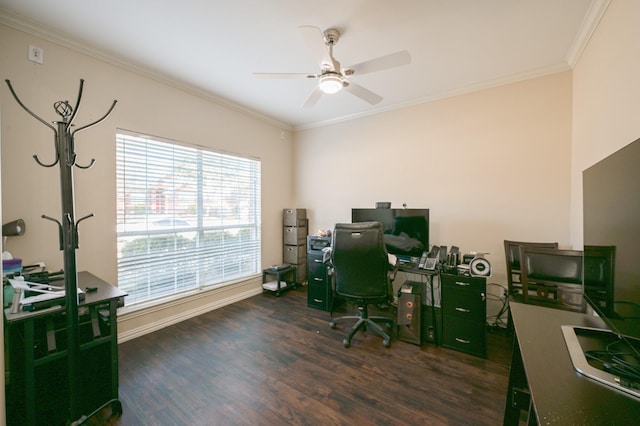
[599, 265]
[514, 281]
[512, 257]
[361, 274]
[552, 277]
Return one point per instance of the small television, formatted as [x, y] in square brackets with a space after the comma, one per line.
[611, 220]
[406, 230]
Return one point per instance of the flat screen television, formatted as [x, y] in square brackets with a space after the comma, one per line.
[611, 215]
[611, 209]
[406, 230]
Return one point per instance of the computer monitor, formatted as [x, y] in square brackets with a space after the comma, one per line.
[407, 229]
[611, 213]
[611, 209]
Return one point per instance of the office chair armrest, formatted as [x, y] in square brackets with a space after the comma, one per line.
[394, 271]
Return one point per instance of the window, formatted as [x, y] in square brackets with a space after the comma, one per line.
[187, 217]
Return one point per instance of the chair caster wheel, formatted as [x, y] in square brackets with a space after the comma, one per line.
[386, 343]
[332, 325]
[346, 343]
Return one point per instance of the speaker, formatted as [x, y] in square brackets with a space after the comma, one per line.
[442, 254]
[13, 229]
[479, 266]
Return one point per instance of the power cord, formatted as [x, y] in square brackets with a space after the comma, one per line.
[624, 364]
[496, 321]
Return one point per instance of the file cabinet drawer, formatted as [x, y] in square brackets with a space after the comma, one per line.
[317, 268]
[319, 296]
[464, 304]
[471, 284]
[465, 336]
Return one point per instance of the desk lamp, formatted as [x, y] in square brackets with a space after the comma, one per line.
[11, 229]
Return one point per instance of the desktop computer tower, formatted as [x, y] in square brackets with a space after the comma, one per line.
[416, 319]
[409, 312]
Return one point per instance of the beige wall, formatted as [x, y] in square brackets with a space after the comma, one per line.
[490, 166]
[606, 97]
[144, 105]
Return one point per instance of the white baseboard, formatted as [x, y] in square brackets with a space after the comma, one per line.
[169, 315]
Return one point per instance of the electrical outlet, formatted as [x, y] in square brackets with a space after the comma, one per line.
[36, 54]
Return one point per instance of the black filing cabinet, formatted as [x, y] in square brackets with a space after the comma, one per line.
[319, 292]
[464, 312]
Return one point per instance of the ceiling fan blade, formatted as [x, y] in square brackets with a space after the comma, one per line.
[314, 39]
[313, 98]
[364, 94]
[382, 63]
[283, 75]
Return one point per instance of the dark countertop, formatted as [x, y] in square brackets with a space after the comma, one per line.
[104, 291]
[560, 394]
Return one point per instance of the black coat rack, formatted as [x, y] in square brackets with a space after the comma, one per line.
[65, 157]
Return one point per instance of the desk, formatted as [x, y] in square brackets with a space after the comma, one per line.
[37, 363]
[558, 394]
[410, 268]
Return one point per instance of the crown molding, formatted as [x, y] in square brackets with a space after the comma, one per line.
[14, 21]
[471, 88]
[587, 28]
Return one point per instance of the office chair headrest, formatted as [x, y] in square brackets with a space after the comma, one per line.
[359, 226]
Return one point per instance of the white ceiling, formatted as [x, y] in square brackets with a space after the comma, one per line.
[214, 46]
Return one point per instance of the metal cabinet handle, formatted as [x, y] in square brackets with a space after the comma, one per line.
[459, 340]
[317, 279]
[463, 284]
[318, 300]
[463, 310]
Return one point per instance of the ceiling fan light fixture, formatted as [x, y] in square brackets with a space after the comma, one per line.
[330, 83]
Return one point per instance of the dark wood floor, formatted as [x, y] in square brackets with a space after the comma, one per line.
[272, 360]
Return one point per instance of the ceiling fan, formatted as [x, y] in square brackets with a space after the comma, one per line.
[332, 77]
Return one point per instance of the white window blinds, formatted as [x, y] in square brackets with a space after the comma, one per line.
[187, 217]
